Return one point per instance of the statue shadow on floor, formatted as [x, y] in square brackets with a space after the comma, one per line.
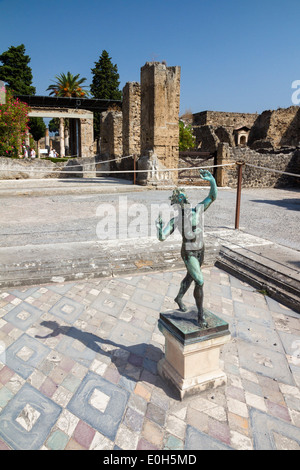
[142, 358]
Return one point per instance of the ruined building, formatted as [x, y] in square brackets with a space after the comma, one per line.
[211, 127]
[268, 130]
[269, 140]
[142, 133]
[147, 127]
[276, 129]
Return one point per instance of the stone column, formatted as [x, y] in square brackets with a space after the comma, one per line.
[62, 137]
[87, 136]
[67, 140]
[111, 134]
[223, 158]
[47, 141]
[160, 99]
[131, 108]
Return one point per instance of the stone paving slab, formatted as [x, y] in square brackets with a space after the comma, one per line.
[78, 368]
[54, 186]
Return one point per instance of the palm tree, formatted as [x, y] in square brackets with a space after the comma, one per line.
[68, 86]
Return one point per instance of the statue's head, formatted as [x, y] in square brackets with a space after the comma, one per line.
[179, 197]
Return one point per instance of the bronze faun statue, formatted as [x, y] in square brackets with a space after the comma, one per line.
[189, 223]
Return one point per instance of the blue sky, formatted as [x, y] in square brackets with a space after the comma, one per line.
[239, 56]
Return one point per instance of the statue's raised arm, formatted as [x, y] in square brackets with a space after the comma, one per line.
[212, 196]
[163, 233]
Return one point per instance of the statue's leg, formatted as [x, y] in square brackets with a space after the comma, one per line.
[194, 269]
[198, 294]
[184, 286]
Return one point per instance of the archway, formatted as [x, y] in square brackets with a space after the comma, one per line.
[243, 140]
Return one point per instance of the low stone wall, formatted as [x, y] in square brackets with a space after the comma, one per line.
[11, 168]
[86, 167]
[283, 160]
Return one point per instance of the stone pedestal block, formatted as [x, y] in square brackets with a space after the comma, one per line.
[192, 354]
[152, 176]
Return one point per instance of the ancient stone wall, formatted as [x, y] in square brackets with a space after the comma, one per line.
[268, 130]
[87, 138]
[211, 128]
[131, 109]
[160, 99]
[275, 129]
[216, 118]
[111, 142]
[288, 161]
[206, 138]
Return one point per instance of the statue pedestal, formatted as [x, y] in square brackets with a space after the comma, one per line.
[192, 354]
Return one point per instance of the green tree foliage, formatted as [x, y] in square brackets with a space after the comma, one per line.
[54, 126]
[16, 72]
[105, 84]
[186, 138]
[68, 85]
[13, 125]
[37, 128]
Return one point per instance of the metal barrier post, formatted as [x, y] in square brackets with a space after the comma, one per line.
[134, 169]
[238, 194]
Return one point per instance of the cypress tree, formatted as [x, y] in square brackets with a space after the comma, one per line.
[105, 84]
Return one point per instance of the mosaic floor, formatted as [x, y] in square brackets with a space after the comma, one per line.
[78, 368]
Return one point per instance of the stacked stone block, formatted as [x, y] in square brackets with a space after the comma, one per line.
[131, 118]
[160, 99]
[111, 123]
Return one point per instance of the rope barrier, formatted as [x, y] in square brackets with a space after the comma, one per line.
[120, 171]
[58, 171]
[271, 169]
[97, 163]
[114, 160]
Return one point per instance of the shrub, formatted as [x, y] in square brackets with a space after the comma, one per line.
[13, 125]
[186, 138]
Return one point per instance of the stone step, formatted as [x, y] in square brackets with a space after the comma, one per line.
[278, 283]
[259, 262]
[27, 265]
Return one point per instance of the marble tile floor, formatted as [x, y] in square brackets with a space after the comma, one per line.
[78, 368]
